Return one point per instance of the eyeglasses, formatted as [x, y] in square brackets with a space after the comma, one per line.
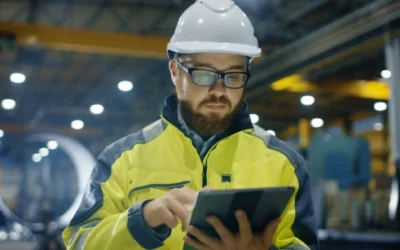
[207, 78]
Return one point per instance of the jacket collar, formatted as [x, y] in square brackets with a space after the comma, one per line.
[241, 122]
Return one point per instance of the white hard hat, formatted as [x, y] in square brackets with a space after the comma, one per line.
[214, 26]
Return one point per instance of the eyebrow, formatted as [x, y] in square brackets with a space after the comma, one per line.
[207, 65]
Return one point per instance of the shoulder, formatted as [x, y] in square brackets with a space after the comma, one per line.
[143, 136]
[274, 143]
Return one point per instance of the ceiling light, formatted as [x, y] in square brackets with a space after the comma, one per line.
[17, 78]
[380, 106]
[96, 109]
[77, 124]
[271, 132]
[254, 118]
[125, 86]
[386, 74]
[36, 157]
[307, 100]
[44, 152]
[317, 122]
[8, 104]
[52, 145]
[1, 133]
[378, 126]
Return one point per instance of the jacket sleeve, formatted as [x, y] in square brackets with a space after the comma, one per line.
[298, 230]
[104, 219]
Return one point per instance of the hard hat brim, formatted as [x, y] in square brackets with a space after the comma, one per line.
[213, 47]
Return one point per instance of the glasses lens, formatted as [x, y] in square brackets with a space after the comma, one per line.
[203, 77]
[235, 80]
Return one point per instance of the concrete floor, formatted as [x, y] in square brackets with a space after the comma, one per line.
[17, 245]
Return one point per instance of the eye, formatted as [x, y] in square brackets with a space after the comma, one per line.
[236, 77]
[203, 77]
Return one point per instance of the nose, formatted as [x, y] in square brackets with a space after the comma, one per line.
[218, 89]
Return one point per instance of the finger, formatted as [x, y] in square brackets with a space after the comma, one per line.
[178, 210]
[196, 244]
[269, 232]
[245, 231]
[189, 191]
[185, 196]
[169, 218]
[205, 239]
[206, 188]
[225, 234]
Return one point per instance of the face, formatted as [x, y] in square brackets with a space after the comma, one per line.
[208, 110]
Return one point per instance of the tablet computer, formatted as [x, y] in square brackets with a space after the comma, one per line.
[260, 204]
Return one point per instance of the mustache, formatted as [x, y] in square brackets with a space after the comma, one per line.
[216, 100]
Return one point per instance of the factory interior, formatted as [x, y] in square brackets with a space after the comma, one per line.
[77, 75]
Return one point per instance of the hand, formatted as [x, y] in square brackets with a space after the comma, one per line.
[244, 240]
[169, 208]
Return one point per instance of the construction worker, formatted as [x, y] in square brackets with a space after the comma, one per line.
[143, 185]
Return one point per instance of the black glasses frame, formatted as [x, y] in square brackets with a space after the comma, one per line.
[219, 75]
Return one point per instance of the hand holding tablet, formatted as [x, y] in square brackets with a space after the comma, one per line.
[248, 217]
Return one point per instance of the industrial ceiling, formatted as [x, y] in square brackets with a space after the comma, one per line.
[74, 53]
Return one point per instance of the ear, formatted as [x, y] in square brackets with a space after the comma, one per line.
[173, 70]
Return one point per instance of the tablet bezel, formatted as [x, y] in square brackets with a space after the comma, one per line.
[264, 210]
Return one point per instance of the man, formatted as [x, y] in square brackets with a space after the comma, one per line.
[143, 185]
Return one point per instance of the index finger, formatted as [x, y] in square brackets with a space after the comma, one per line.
[185, 196]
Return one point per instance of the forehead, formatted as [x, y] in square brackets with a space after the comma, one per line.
[218, 61]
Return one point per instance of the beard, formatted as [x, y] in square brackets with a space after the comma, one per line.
[213, 123]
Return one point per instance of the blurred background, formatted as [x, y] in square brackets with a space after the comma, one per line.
[75, 75]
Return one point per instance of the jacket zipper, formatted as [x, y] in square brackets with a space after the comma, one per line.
[204, 173]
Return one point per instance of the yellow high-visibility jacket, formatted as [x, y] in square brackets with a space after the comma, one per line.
[145, 165]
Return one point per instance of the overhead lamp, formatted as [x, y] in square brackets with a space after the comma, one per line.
[96, 109]
[386, 74]
[378, 126]
[36, 158]
[17, 78]
[307, 100]
[125, 86]
[380, 106]
[52, 145]
[44, 152]
[317, 122]
[8, 104]
[77, 124]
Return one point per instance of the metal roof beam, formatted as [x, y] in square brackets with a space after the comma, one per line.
[304, 12]
[88, 41]
[309, 49]
[356, 88]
